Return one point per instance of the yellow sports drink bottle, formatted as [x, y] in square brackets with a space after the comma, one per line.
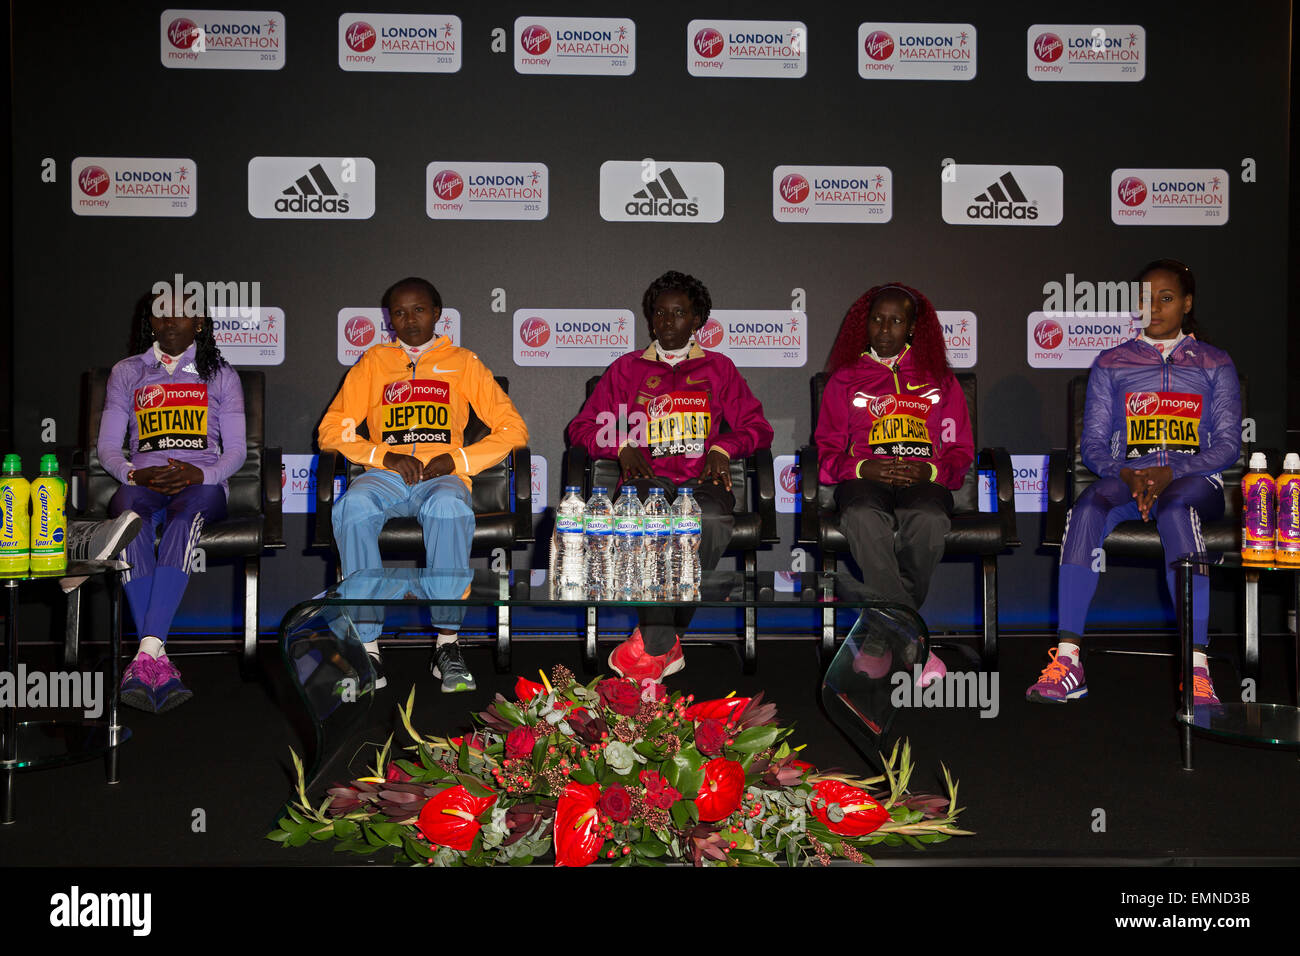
[15, 523]
[49, 521]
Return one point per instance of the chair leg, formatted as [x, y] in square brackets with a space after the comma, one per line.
[589, 646]
[989, 652]
[252, 607]
[749, 657]
[1250, 634]
[503, 627]
[828, 608]
[72, 631]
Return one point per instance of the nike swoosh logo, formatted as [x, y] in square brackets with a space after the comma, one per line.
[444, 371]
[696, 381]
[913, 388]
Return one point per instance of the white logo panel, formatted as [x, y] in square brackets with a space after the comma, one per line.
[661, 191]
[583, 46]
[587, 338]
[134, 186]
[861, 194]
[459, 190]
[1003, 195]
[772, 49]
[916, 51]
[222, 39]
[1090, 53]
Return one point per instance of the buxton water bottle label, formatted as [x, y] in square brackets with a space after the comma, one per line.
[627, 525]
[568, 524]
[686, 524]
[597, 524]
[656, 525]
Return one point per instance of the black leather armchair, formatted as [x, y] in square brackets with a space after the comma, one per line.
[1068, 477]
[255, 519]
[752, 484]
[983, 534]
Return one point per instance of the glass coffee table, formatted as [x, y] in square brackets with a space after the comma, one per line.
[321, 638]
[42, 744]
[1276, 724]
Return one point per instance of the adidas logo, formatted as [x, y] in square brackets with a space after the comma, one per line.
[1002, 199]
[662, 196]
[312, 192]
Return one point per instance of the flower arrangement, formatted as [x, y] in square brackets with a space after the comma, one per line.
[621, 773]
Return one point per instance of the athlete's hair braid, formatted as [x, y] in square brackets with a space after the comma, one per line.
[928, 348]
[207, 356]
[691, 287]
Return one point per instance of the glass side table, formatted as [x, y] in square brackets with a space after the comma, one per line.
[1276, 724]
[41, 744]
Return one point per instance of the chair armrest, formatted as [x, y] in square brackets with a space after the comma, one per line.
[576, 467]
[329, 465]
[1058, 480]
[998, 461]
[272, 499]
[521, 467]
[765, 498]
[77, 474]
[809, 488]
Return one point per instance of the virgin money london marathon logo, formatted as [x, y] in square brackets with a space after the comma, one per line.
[1075, 339]
[300, 187]
[588, 338]
[859, 194]
[916, 51]
[772, 49]
[256, 339]
[1003, 195]
[399, 43]
[359, 329]
[583, 46]
[960, 336]
[222, 39]
[661, 191]
[1169, 197]
[786, 472]
[134, 186]
[757, 338]
[1089, 53]
[461, 190]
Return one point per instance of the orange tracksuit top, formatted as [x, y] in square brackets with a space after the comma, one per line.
[421, 411]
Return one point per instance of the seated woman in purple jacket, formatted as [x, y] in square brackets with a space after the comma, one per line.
[179, 408]
[670, 377]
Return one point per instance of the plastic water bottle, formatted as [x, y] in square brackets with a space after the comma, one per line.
[686, 546]
[657, 534]
[598, 532]
[628, 518]
[569, 543]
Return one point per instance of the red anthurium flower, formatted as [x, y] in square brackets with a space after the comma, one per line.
[451, 818]
[857, 811]
[722, 710]
[526, 689]
[475, 741]
[577, 837]
[721, 791]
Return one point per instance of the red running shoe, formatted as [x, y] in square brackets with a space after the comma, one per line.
[630, 659]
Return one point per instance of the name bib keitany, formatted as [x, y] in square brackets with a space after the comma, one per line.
[677, 423]
[416, 411]
[899, 428]
[171, 417]
[1162, 421]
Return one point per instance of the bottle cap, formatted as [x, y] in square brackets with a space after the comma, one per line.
[1291, 462]
[628, 489]
[686, 491]
[50, 464]
[600, 490]
[1257, 460]
[656, 490]
[572, 490]
[13, 465]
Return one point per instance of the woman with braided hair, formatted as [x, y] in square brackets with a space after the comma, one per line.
[894, 436]
[182, 408]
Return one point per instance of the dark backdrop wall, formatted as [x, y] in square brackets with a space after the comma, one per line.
[1214, 94]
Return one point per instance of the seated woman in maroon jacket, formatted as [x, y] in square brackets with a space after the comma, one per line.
[673, 370]
[894, 435]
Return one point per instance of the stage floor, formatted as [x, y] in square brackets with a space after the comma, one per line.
[1039, 782]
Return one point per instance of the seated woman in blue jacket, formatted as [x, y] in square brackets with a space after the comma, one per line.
[1162, 421]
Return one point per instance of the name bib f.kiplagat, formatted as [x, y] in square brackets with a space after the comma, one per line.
[416, 411]
[171, 417]
[1162, 421]
[677, 423]
[899, 429]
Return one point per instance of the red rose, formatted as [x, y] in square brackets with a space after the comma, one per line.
[526, 689]
[519, 742]
[451, 818]
[616, 803]
[653, 690]
[722, 710]
[721, 791]
[620, 696]
[710, 736]
[577, 837]
[658, 793]
[858, 811]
